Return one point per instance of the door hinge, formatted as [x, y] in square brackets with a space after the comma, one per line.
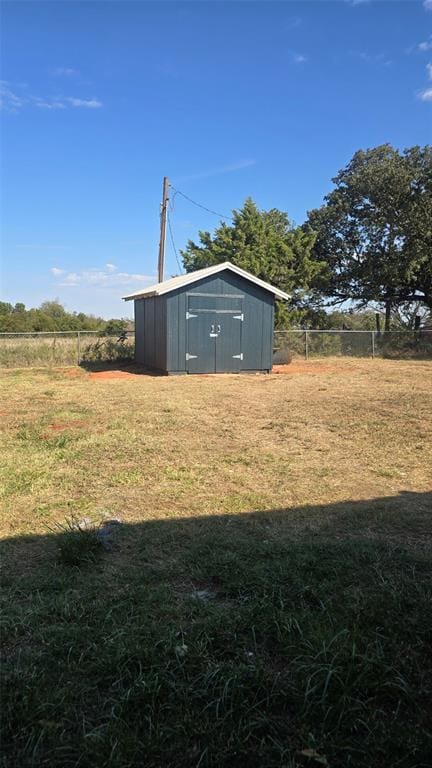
[239, 317]
[189, 315]
[190, 357]
[239, 357]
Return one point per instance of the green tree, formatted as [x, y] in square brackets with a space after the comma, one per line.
[266, 244]
[115, 327]
[405, 315]
[348, 320]
[37, 320]
[6, 308]
[63, 321]
[374, 230]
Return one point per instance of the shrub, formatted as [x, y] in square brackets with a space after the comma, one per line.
[405, 345]
[108, 350]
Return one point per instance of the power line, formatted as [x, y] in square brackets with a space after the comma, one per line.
[173, 243]
[204, 207]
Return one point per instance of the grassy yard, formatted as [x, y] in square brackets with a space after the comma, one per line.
[267, 598]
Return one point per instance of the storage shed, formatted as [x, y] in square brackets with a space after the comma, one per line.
[215, 320]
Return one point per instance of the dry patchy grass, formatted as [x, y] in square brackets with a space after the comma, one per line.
[267, 601]
[153, 447]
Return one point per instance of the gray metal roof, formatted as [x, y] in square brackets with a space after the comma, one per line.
[191, 277]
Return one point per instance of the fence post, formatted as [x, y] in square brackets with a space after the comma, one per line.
[306, 345]
[373, 343]
[78, 348]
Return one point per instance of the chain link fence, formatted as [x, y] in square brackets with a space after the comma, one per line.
[55, 348]
[394, 344]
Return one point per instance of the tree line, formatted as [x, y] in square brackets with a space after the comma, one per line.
[369, 246]
[52, 316]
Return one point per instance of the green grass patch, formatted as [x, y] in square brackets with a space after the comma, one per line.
[226, 649]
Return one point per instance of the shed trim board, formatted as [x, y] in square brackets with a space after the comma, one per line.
[219, 295]
[191, 277]
[217, 323]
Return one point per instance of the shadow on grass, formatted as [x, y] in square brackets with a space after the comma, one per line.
[225, 640]
[140, 370]
[99, 366]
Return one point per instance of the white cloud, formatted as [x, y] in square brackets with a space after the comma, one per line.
[293, 23]
[108, 277]
[422, 47]
[425, 95]
[426, 45]
[299, 58]
[237, 166]
[427, 5]
[13, 100]
[89, 103]
[372, 58]
[64, 71]
[9, 100]
[72, 278]
[46, 103]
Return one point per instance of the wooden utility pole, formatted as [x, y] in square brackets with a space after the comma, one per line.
[164, 211]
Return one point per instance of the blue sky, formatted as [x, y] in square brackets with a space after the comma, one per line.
[228, 99]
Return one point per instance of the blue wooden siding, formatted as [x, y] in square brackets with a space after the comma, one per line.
[257, 329]
[161, 325]
[139, 331]
[150, 332]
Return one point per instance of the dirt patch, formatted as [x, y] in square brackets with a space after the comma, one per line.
[308, 367]
[114, 375]
[292, 368]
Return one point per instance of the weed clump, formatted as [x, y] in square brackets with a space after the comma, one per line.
[79, 542]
